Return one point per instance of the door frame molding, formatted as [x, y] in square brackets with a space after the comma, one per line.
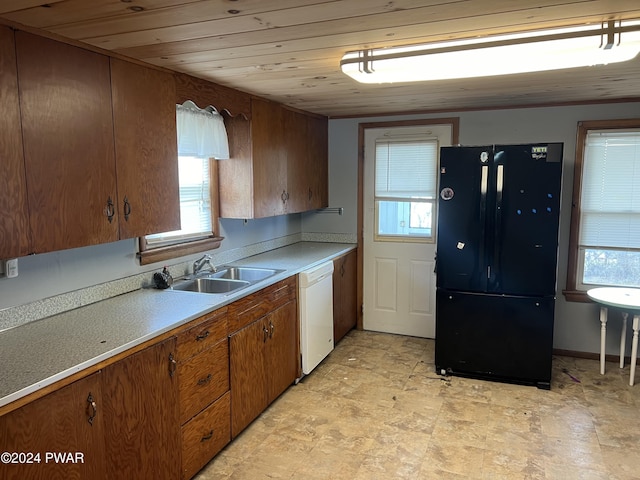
[362, 127]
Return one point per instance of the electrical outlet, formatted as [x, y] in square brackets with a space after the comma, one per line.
[11, 268]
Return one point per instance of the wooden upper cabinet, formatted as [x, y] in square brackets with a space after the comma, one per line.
[307, 172]
[144, 119]
[278, 163]
[269, 159]
[67, 129]
[297, 148]
[14, 212]
[318, 164]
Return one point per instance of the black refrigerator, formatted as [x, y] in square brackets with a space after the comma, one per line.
[496, 261]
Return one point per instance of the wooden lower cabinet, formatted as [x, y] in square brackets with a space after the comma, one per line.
[345, 312]
[61, 434]
[142, 415]
[165, 411]
[281, 350]
[263, 360]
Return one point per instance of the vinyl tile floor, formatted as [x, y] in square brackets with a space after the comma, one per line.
[375, 409]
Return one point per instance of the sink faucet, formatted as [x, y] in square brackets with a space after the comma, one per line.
[199, 264]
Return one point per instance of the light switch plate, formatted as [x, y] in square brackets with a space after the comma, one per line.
[11, 268]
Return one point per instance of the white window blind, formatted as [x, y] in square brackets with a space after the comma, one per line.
[195, 203]
[406, 169]
[610, 194]
[201, 138]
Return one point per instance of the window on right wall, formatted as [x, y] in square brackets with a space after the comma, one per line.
[604, 248]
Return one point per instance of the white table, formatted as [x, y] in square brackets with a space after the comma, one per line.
[628, 301]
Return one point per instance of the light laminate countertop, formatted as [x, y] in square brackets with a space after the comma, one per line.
[40, 353]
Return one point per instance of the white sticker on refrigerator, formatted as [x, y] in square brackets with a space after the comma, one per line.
[446, 193]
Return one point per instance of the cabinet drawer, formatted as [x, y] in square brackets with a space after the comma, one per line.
[203, 379]
[207, 331]
[258, 304]
[205, 435]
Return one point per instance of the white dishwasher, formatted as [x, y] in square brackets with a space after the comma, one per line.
[316, 315]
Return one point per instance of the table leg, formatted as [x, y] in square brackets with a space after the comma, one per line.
[623, 338]
[634, 350]
[603, 336]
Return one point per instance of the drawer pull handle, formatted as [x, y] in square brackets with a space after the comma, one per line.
[92, 409]
[207, 437]
[202, 336]
[271, 327]
[205, 380]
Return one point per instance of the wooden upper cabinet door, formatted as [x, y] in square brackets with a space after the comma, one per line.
[65, 99]
[318, 158]
[67, 420]
[14, 212]
[269, 159]
[298, 175]
[144, 118]
[142, 415]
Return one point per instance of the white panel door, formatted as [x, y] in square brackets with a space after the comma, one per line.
[399, 280]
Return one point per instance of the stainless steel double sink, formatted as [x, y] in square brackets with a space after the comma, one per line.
[225, 279]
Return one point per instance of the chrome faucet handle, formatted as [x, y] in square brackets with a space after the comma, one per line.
[201, 262]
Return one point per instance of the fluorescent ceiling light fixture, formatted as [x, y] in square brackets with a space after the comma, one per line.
[536, 51]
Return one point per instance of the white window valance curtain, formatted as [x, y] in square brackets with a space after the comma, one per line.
[201, 132]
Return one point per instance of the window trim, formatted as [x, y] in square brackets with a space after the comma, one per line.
[158, 254]
[571, 292]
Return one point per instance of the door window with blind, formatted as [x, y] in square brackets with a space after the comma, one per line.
[607, 250]
[405, 189]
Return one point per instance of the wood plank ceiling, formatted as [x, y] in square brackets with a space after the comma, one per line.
[290, 50]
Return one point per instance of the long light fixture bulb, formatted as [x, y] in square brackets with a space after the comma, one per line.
[500, 55]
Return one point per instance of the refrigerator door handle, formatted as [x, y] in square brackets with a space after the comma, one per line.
[484, 181]
[498, 223]
[500, 184]
[484, 186]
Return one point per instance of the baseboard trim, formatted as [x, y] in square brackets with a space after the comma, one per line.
[591, 356]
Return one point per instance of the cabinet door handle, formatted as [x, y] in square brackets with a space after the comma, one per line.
[205, 380]
[207, 436]
[342, 270]
[92, 409]
[127, 208]
[272, 328]
[202, 336]
[172, 365]
[310, 193]
[283, 196]
[110, 210]
[266, 334]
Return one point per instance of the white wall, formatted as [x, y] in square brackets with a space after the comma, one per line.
[49, 274]
[577, 327]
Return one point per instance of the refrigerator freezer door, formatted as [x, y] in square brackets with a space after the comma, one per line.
[497, 337]
[525, 220]
[464, 185]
